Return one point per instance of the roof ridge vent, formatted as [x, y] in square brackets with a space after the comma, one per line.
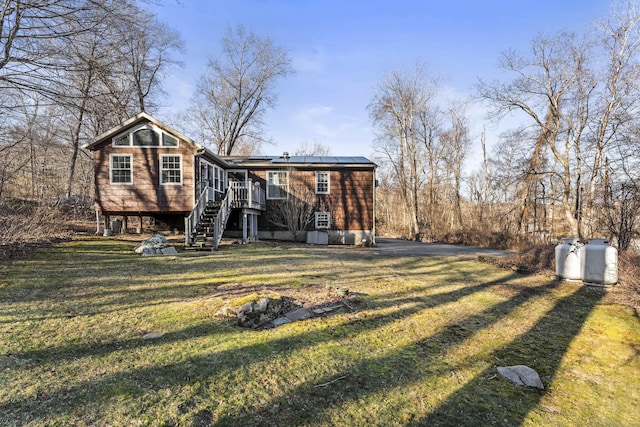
[285, 155]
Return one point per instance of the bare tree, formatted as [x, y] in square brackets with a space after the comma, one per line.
[146, 46]
[456, 141]
[309, 149]
[296, 213]
[399, 104]
[236, 91]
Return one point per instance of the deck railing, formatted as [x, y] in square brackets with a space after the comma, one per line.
[239, 195]
[220, 221]
[247, 194]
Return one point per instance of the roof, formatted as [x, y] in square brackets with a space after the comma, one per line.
[144, 117]
[279, 161]
[239, 161]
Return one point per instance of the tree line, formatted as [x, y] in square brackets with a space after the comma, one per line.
[570, 169]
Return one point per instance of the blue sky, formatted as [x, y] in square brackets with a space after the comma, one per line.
[342, 49]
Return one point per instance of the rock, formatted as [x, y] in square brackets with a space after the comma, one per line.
[262, 305]
[246, 308]
[281, 321]
[521, 375]
[146, 251]
[155, 245]
[152, 335]
[300, 314]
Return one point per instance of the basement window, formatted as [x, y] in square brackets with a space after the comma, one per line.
[323, 220]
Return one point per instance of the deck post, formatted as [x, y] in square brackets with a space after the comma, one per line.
[125, 224]
[244, 227]
[187, 232]
[139, 229]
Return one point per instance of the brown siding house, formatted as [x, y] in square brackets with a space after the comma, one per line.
[145, 168]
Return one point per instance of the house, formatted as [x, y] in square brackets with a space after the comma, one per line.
[144, 168]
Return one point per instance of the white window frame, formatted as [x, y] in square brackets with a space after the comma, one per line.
[159, 133]
[323, 220]
[162, 169]
[270, 185]
[328, 182]
[111, 169]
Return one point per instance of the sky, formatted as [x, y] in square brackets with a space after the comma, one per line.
[342, 49]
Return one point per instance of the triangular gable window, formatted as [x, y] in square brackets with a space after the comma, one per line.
[145, 136]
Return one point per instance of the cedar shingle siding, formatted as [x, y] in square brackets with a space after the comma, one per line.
[146, 194]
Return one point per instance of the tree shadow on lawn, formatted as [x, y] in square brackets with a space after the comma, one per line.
[545, 344]
[100, 288]
[307, 403]
[203, 368]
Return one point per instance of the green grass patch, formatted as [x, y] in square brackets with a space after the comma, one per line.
[418, 343]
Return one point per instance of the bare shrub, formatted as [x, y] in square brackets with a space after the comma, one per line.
[480, 238]
[628, 290]
[25, 226]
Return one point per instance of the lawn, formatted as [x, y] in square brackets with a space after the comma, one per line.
[417, 342]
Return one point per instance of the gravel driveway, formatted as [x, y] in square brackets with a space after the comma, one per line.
[407, 247]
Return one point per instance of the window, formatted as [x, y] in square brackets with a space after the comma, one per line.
[170, 169]
[121, 140]
[121, 169]
[322, 182]
[323, 220]
[169, 141]
[145, 138]
[277, 184]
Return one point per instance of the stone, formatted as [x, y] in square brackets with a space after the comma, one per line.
[153, 245]
[146, 251]
[318, 310]
[300, 314]
[262, 305]
[246, 308]
[521, 375]
[169, 251]
[281, 321]
[152, 335]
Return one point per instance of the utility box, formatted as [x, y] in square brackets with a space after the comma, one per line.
[317, 237]
[116, 226]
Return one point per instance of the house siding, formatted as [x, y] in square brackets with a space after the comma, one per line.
[350, 197]
[145, 194]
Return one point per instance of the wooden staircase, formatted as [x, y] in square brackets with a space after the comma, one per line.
[206, 224]
[204, 235]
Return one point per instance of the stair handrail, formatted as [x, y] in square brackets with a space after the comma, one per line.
[220, 220]
[191, 222]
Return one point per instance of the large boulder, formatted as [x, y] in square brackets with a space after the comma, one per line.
[155, 245]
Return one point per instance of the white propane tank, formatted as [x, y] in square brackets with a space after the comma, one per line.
[569, 254]
[600, 262]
